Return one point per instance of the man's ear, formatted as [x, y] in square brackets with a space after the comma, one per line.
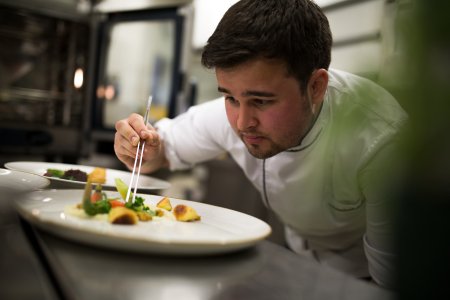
[317, 86]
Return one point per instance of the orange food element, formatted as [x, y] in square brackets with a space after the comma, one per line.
[96, 196]
[185, 213]
[165, 204]
[98, 175]
[144, 216]
[122, 215]
[116, 203]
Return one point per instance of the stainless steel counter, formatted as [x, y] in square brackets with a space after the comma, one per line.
[266, 271]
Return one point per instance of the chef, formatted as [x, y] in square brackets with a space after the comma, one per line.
[317, 143]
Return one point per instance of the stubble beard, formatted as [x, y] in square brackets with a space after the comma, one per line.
[259, 152]
[271, 148]
[256, 152]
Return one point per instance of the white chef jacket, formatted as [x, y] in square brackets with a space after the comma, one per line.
[324, 190]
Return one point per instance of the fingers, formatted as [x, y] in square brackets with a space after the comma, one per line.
[133, 129]
[122, 146]
[128, 134]
[150, 136]
[130, 128]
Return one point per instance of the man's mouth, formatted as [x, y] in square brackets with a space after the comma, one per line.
[252, 139]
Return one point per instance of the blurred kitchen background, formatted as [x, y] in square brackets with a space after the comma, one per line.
[69, 69]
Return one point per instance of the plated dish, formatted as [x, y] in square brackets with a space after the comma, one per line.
[220, 230]
[40, 168]
[17, 181]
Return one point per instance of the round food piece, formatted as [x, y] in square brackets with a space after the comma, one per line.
[122, 215]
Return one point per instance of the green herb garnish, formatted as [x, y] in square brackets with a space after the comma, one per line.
[139, 206]
[92, 208]
[54, 173]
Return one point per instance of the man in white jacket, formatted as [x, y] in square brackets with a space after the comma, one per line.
[314, 141]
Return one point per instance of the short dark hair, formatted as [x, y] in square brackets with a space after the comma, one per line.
[295, 31]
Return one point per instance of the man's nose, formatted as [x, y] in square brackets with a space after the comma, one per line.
[246, 118]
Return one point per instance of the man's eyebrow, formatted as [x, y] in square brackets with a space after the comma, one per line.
[248, 93]
[223, 90]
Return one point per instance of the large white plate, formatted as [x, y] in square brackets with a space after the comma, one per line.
[16, 181]
[220, 230]
[40, 168]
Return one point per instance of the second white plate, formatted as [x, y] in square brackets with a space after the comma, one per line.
[40, 168]
[17, 181]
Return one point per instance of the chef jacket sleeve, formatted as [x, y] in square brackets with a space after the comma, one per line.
[194, 136]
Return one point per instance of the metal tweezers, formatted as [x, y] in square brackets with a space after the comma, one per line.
[140, 149]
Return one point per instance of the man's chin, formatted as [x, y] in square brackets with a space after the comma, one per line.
[259, 153]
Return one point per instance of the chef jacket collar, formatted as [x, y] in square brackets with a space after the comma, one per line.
[315, 131]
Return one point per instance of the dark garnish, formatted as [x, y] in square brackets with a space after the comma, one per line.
[74, 174]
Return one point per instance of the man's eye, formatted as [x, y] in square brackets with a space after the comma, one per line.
[230, 99]
[260, 103]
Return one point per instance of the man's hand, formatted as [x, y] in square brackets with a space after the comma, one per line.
[128, 133]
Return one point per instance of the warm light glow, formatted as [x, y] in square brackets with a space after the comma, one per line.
[106, 92]
[78, 78]
[110, 92]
